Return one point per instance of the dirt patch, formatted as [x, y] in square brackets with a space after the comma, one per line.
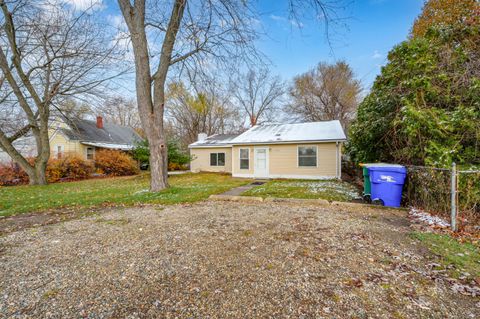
[25, 221]
[225, 259]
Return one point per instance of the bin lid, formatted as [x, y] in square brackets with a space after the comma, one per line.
[388, 168]
[378, 164]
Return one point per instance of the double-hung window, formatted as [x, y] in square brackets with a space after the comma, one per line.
[307, 156]
[90, 153]
[217, 159]
[59, 151]
[244, 158]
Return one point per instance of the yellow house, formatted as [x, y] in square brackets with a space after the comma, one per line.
[299, 151]
[84, 137]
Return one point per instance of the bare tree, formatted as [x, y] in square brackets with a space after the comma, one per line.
[191, 32]
[188, 34]
[71, 108]
[48, 52]
[258, 93]
[327, 92]
[121, 111]
[207, 110]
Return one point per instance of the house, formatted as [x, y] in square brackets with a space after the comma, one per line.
[84, 137]
[300, 151]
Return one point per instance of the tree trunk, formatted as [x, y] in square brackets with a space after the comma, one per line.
[158, 155]
[38, 176]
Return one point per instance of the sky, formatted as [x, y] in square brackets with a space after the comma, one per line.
[371, 29]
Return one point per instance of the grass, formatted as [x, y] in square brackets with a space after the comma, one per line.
[332, 190]
[464, 256]
[129, 191]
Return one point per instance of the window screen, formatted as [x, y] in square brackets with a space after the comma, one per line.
[90, 152]
[307, 156]
[217, 159]
[244, 158]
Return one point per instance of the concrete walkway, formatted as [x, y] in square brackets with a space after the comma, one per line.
[237, 191]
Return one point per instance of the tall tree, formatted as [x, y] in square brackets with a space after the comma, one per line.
[327, 92]
[47, 53]
[258, 93]
[191, 34]
[205, 110]
[442, 13]
[424, 107]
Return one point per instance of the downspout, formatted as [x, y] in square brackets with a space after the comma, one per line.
[337, 166]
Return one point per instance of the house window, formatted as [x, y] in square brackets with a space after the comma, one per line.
[307, 156]
[217, 159]
[59, 151]
[244, 158]
[90, 153]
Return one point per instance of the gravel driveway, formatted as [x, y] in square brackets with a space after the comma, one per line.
[224, 260]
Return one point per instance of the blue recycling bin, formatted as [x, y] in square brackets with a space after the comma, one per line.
[387, 183]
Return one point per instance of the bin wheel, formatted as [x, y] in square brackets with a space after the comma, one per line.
[378, 201]
[367, 198]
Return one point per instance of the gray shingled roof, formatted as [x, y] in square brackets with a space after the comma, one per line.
[87, 131]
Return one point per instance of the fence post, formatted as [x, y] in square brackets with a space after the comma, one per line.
[453, 198]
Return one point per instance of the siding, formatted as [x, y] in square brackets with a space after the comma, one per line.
[236, 161]
[69, 147]
[283, 161]
[201, 159]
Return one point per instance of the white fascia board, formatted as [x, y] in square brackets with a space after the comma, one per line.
[123, 147]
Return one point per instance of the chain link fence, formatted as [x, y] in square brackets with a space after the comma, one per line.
[453, 194]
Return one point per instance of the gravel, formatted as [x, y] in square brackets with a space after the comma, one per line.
[225, 259]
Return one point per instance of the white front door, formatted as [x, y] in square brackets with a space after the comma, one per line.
[261, 162]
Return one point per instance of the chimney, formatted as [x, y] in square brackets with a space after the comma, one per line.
[99, 122]
[202, 137]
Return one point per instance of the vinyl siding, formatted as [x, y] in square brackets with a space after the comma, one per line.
[201, 159]
[236, 160]
[283, 161]
[69, 147]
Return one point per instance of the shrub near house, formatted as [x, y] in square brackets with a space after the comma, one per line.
[115, 163]
[71, 167]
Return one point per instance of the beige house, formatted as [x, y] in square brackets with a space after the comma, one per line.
[299, 151]
[84, 137]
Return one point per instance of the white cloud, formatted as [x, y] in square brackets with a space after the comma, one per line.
[277, 18]
[117, 21]
[82, 5]
[294, 23]
[377, 55]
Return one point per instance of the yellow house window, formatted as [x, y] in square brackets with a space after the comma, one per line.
[90, 153]
[244, 158]
[59, 151]
[217, 159]
[307, 156]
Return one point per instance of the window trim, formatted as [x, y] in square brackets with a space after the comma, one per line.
[216, 156]
[93, 153]
[316, 156]
[60, 151]
[240, 158]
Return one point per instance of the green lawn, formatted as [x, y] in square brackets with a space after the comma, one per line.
[464, 256]
[332, 190]
[121, 190]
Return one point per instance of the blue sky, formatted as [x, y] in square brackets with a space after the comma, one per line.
[372, 29]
